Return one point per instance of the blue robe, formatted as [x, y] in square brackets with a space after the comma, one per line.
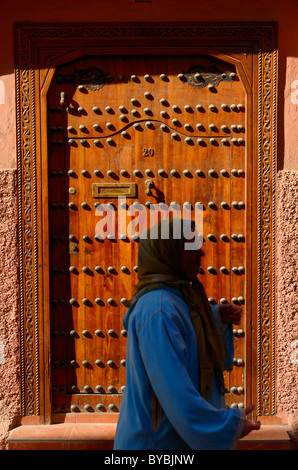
[162, 355]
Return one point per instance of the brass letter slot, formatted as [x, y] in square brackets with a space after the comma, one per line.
[108, 190]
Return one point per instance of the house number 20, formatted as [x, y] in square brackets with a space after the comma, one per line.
[148, 152]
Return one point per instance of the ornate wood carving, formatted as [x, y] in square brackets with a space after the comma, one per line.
[200, 76]
[92, 79]
[39, 47]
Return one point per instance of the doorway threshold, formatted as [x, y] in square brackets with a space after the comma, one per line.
[100, 436]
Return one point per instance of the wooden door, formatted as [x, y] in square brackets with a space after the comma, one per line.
[169, 133]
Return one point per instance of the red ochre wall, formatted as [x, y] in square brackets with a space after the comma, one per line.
[55, 11]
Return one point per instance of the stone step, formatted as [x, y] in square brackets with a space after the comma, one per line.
[266, 438]
[100, 436]
[66, 436]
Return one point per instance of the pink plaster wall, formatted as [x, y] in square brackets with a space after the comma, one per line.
[287, 289]
[7, 122]
[291, 114]
[9, 314]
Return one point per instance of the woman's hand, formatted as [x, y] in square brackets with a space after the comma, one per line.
[230, 314]
[248, 427]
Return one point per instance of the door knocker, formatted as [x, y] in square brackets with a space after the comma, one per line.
[149, 185]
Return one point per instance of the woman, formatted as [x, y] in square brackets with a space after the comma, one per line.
[174, 394]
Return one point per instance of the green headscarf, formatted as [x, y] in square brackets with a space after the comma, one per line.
[159, 264]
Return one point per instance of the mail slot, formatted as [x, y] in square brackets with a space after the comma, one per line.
[109, 190]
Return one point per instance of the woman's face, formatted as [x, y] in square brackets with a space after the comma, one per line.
[191, 262]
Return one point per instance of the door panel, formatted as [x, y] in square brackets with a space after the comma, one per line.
[180, 122]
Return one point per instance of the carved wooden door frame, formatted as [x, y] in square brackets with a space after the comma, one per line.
[39, 49]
